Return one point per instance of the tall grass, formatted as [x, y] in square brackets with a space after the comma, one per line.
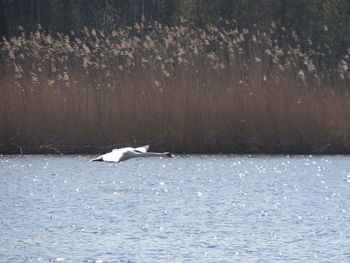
[180, 88]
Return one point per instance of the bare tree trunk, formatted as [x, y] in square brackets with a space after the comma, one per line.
[38, 11]
[143, 8]
[3, 22]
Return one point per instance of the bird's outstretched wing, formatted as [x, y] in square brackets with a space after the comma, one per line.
[142, 149]
[122, 154]
[117, 149]
[98, 159]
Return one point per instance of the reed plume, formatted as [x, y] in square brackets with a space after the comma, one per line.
[180, 88]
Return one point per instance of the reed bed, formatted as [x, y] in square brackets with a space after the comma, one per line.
[180, 88]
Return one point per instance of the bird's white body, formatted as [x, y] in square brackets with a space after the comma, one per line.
[122, 154]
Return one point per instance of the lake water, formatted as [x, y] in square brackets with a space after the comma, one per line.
[182, 209]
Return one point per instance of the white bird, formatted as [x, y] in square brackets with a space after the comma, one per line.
[122, 154]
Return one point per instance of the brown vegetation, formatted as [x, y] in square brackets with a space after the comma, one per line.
[177, 88]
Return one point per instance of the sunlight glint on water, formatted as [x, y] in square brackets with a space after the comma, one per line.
[188, 208]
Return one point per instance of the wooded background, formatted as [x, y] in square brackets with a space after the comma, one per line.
[320, 23]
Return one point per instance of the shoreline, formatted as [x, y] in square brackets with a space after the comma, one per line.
[92, 150]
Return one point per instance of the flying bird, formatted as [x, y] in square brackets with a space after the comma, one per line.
[122, 154]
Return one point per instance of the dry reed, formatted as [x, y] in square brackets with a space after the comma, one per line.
[180, 88]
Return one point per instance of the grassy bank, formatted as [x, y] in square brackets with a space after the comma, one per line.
[179, 88]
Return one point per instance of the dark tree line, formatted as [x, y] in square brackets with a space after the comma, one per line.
[66, 15]
[316, 22]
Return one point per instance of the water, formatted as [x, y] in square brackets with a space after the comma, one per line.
[183, 209]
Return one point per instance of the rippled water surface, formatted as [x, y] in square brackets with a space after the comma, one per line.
[182, 209]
